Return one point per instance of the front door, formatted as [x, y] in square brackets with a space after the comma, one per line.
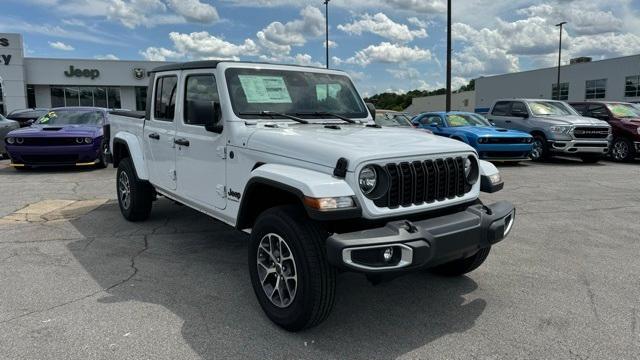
[159, 133]
[200, 153]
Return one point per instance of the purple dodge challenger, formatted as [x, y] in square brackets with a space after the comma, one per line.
[62, 136]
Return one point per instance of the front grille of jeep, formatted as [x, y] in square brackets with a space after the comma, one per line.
[591, 132]
[419, 182]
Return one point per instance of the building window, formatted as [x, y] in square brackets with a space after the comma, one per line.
[632, 86]
[31, 96]
[106, 97]
[596, 89]
[564, 91]
[141, 98]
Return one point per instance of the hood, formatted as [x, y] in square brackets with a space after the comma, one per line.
[59, 131]
[573, 120]
[356, 143]
[491, 131]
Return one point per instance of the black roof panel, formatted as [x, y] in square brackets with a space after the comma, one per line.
[212, 64]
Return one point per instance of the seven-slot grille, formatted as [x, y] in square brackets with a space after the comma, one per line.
[591, 132]
[417, 182]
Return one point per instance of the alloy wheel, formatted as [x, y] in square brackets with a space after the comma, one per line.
[277, 270]
[620, 150]
[124, 190]
[537, 149]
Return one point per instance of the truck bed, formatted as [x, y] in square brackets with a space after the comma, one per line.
[126, 121]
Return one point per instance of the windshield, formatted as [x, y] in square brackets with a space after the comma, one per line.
[456, 120]
[550, 108]
[393, 119]
[623, 110]
[300, 93]
[72, 117]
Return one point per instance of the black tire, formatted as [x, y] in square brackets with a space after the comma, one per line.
[102, 158]
[462, 266]
[591, 158]
[622, 150]
[540, 150]
[314, 294]
[136, 205]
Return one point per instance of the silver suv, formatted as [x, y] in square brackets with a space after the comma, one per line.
[556, 128]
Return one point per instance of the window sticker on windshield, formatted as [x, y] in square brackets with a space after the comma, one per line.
[331, 89]
[265, 89]
[457, 120]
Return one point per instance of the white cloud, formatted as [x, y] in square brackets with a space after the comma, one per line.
[332, 44]
[406, 73]
[387, 53]
[194, 10]
[298, 59]
[106, 57]
[381, 25]
[159, 54]
[417, 22]
[409, 6]
[585, 18]
[278, 37]
[202, 45]
[59, 45]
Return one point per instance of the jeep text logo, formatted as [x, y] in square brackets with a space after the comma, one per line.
[90, 73]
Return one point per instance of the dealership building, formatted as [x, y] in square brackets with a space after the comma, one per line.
[27, 82]
[616, 79]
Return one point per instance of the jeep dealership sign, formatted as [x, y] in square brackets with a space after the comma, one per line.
[88, 73]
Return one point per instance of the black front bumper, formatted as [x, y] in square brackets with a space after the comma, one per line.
[422, 244]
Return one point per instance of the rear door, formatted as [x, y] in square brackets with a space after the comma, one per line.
[200, 153]
[160, 130]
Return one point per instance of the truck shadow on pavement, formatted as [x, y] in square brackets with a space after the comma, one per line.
[196, 268]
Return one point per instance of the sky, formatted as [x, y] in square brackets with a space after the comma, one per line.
[385, 45]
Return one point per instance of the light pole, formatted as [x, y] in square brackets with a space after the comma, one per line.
[448, 101]
[326, 24]
[559, 60]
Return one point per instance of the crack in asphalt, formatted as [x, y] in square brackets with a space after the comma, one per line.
[132, 265]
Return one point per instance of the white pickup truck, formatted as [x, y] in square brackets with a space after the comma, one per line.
[291, 155]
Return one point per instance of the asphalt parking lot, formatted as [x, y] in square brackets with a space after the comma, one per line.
[79, 282]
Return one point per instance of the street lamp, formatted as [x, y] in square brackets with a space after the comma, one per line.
[560, 25]
[448, 101]
[326, 23]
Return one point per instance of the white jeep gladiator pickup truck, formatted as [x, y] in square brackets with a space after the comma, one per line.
[291, 155]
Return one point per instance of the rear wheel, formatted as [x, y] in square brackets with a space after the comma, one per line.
[540, 150]
[462, 266]
[622, 150]
[294, 283]
[134, 195]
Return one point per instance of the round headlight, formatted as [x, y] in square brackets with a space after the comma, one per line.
[11, 140]
[79, 140]
[88, 140]
[19, 141]
[368, 179]
[471, 170]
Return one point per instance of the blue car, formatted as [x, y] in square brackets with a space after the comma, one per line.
[492, 143]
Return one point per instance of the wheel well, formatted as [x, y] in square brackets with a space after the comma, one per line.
[259, 197]
[539, 133]
[456, 137]
[120, 151]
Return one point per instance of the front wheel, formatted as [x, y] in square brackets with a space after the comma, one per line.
[102, 157]
[540, 150]
[135, 196]
[622, 150]
[294, 283]
[462, 266]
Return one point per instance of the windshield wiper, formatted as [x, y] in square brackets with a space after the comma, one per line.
[273, 115]
[324, 113]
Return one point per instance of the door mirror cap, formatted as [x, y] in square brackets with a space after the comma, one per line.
[213, 120]
[372, 110]
[521, 114]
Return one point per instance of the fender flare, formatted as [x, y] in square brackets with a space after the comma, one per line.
[300, 183]
[487, 171]
[460, 137]
[134, 147]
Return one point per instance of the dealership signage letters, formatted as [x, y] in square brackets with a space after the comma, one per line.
[90, 73]
[4, 59]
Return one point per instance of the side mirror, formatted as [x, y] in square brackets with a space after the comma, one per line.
[492, 123]
[520, 114]
[372, 110]
[435, 125]
[213, 118]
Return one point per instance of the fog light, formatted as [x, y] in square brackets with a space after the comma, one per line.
[387, 254]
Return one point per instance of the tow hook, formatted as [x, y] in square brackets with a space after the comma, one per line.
[409, 227]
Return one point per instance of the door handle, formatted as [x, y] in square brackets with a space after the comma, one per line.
[181, 142]
[154, 136]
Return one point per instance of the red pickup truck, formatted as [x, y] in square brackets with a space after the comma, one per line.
[624, 119]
